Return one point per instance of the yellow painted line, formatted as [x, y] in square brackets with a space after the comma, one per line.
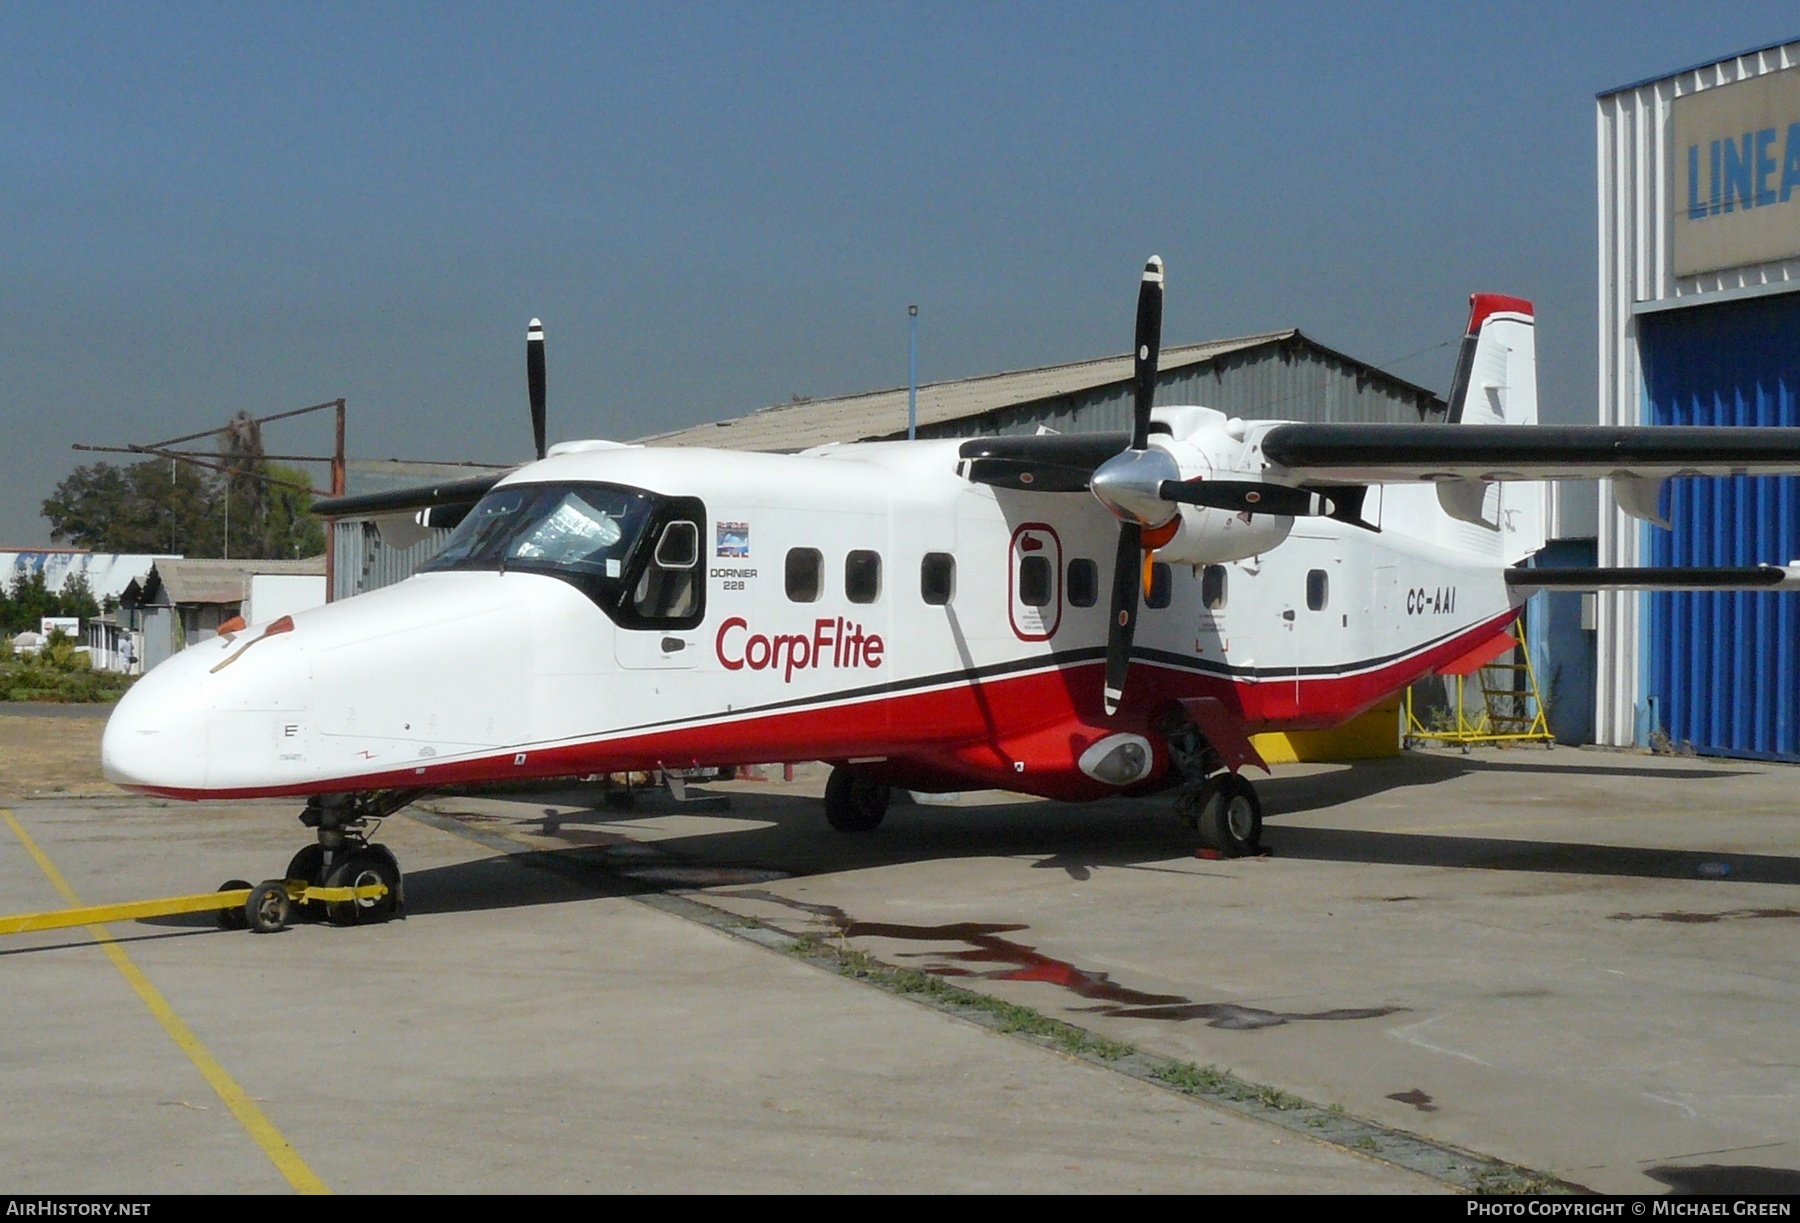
[59, 919]
[280, 1152]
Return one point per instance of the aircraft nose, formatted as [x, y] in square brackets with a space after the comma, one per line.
[156, 737]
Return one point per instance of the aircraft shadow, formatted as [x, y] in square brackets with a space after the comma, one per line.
[1321, 791]
[588, 852]
[1544, 857]
[1726, 1179]
[787, 835]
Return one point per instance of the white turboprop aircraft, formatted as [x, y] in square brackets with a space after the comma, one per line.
[1067, 616]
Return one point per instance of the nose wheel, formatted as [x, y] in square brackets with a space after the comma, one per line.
[344, 877]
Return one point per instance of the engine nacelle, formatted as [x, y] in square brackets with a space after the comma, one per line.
[1212, 537]
[1206, 444]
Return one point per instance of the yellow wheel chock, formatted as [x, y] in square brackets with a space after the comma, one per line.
[266, 907]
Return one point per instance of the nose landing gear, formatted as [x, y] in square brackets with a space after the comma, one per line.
[345, 857]
[344, 877]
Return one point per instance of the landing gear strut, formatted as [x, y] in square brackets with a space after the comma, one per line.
[853, 803]
[1221, 806]
[343, 857]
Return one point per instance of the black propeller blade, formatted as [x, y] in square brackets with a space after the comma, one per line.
[1028, 476]
[1148, 351]
[1128, 563]
[1127, 577]
[1249, 497]
[534, 378]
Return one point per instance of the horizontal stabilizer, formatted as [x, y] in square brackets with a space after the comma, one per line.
[1753, 577]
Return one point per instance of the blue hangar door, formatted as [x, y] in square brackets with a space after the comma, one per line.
[1724, 668]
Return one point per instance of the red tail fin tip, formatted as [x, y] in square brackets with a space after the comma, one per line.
[1483, 304]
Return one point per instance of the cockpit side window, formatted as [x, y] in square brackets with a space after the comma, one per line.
[678, 547]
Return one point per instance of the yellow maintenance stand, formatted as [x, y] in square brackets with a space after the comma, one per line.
[1511, 710]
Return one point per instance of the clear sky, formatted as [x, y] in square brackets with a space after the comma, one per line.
[713, 207]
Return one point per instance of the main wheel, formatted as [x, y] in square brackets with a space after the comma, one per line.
[235, 917]
[364, 867]
[854, 804]
[268, 909]
[1231, 821]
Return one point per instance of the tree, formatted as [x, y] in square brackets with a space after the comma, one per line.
[289, 529]
[157, 505]
[24, 604]
[160, 505]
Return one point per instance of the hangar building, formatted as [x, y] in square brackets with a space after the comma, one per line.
[1274, 375]
[1699, 278]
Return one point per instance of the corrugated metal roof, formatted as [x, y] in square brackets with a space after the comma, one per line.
[1702, 66]
[878, 414]
[221, 581]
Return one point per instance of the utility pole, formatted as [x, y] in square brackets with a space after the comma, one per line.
[337, 490]
[912, 374]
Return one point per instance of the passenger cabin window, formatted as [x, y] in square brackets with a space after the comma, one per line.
[1084, 583]
[669, 589]
[937, 578]
[862, 576]
[1213, 588]
[1318, 589]
[805, 574]
[1037, 581]
[1162, 586]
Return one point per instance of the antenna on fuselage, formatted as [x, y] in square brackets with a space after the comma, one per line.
[534, 378]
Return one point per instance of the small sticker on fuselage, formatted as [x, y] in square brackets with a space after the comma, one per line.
[733, 539]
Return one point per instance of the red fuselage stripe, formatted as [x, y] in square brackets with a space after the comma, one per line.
[979, 732]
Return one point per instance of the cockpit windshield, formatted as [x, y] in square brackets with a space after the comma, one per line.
[585, 530]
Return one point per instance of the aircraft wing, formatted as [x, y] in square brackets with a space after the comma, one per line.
[1398, 453]
[462, 493]
[1394, 453]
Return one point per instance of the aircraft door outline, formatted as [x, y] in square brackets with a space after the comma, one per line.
[1034, 582]
[671, 588]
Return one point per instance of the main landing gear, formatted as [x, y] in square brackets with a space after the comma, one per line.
[361, 880]
[853, 803]
[1227, 814]
[1221, 806]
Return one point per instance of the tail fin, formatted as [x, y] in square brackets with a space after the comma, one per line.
[1496, 384]
[1496, 372]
